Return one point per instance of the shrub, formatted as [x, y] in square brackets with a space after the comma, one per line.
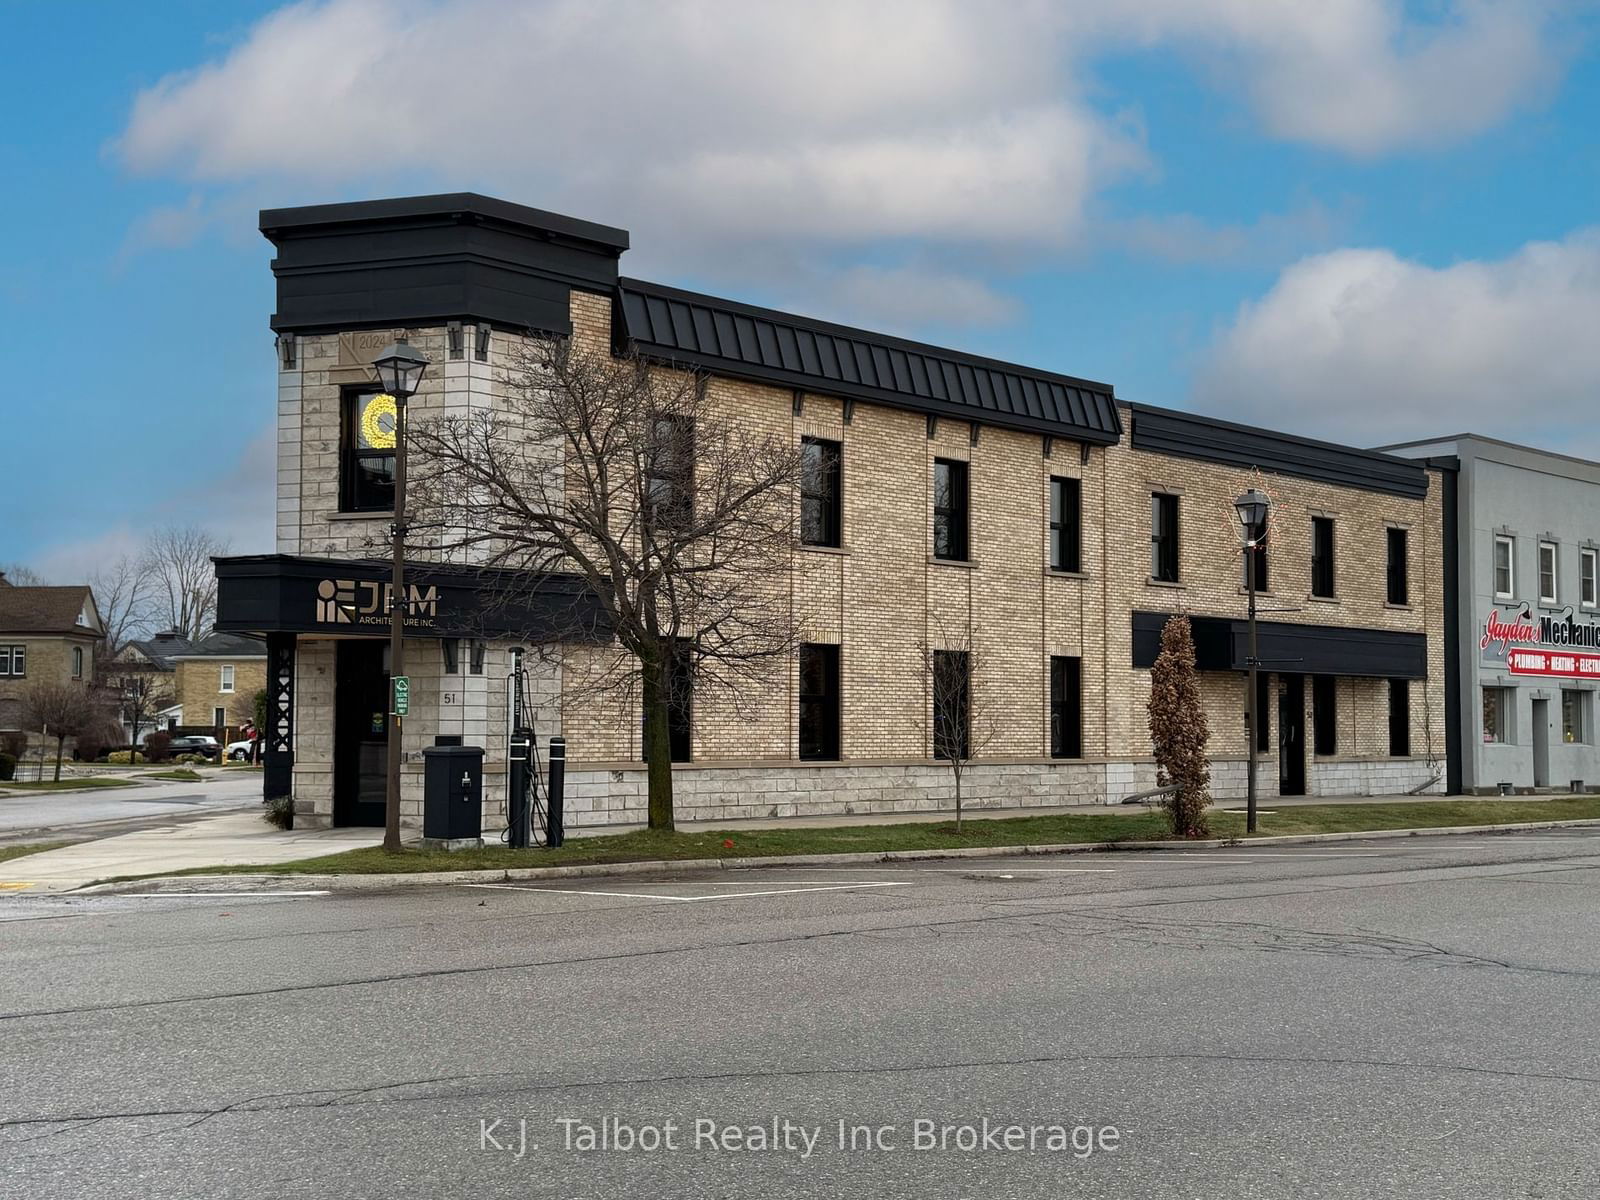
[155, 746]
[14, 744]
[1178, 730]
[120, 756]
[280, 812]
[8, 766]
[191, 759]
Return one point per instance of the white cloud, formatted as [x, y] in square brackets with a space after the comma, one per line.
[1362, 345]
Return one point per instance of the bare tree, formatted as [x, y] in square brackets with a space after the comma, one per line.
[958, 722]
[678, 517]
[18, 575]
[181, 578]
[61, 710]
[122, 592]
[1178, 730]
[142, 690]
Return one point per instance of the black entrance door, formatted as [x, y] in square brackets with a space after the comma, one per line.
[1292, 736]
[360, 731]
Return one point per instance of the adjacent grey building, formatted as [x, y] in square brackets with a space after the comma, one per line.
[1522, 527]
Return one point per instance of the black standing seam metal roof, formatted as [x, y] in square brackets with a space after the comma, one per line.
[778, 348]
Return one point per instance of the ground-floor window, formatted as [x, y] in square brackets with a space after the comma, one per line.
[952, 705]
[680, 704]
[1400, 718]
[1264, 696]
[1324, 715]
[819, 702]
[1497, 714]
[219, 717]
[1066, 707]
[1574, 716]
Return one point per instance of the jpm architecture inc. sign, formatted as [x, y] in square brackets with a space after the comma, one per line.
[1555, 644]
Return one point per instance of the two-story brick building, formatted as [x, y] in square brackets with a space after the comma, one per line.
[1030, 518]
[47, 635]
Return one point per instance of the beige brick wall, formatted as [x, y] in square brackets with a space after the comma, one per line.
[198, 686]
[49, 660]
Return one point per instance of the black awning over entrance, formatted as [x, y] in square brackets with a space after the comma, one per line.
[1222, 644]
[283, 593]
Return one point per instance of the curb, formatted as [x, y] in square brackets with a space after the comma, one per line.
[683, 866]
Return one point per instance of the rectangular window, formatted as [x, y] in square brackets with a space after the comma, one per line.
[1066, 524]
[1574, 716]
[1548, 592]
[226, 684]
[77, 662]
[1066, 707]
[821, 500]
[1587, 592]
[1164, 537]
[669, 473]
[14, 661]
[366, 476]
[1322, 557]
[950, 510]
[1399, 718]
[1255, 564]
[1505, 564]
[819, 702]
[952, 705]
[1263, 712]
[219, 717]
[1497, 714]
[680, 703]
[1324, 715]
[1399, 574]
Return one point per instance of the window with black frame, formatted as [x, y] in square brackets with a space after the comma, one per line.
[952, 705]
[950, 514]
[1066, 524]
[1400, 718]
[680, 704]
[1066, 707]
[1397, 576]
[819, 702]
[366, 477]
[1322, 561]
[1324, 715]
[1164, 537]
[821, 500]
[669, 475]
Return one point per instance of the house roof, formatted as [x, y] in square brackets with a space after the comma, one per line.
[741, 340]
[49, 610]
[161, 649]
[224, 645]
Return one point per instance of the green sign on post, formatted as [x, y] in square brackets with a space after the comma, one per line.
[402, 694]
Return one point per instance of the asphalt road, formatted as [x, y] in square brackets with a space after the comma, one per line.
[1384, 1019]
[45, 812]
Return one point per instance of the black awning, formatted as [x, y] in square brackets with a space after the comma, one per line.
[1223, 643]
[283, 593]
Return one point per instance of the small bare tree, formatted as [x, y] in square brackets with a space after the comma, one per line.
[122, 592]
[677, 515]
[957, 721]
[1178, 730]
[61, 710]
[181, 578]
[20, 575]
[142, 690]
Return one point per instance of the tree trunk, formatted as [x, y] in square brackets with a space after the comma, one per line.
[61, 741]
[657, 745]
[958, 801]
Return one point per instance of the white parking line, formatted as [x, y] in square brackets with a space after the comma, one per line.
[841, 887]
[212, 895]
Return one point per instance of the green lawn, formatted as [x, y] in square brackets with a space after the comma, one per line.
[1108, 828]
[50, 785]
[32, 848]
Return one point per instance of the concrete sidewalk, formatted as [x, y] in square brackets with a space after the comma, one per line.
[226, 840]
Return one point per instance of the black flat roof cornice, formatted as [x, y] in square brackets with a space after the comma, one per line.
[1101, 424]
[1211, 439]
[446, 204]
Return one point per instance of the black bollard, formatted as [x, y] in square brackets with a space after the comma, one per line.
[555, 835]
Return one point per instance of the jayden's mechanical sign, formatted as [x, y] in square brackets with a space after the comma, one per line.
[1548, 645]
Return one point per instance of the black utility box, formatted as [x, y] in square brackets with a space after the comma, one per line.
[452, 792]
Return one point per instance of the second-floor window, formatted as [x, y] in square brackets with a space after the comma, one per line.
[1322, 577]
[366, 472]
[1587, 586]
[669, 473]
[1505, 567]
[1548, 591]
[821, 507]
[950, 510]
[1164, 537]
[1255, 565]
[14, 661]
[226, 684]
[1066, 524]
[1398, 576]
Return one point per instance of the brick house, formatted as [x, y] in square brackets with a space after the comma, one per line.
[1052, 525]
[47, 635]
[216, 680]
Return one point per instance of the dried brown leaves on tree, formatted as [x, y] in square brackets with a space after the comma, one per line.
[1178, 730]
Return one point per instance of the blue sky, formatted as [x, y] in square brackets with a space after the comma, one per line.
[1365, 220]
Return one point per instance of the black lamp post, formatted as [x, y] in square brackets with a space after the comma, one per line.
[1253, 508]
[399, 370]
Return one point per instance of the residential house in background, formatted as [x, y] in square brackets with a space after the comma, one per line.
[216, 681]
[145, 676]
[47, 634]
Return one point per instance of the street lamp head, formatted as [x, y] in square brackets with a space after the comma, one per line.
[1253, 508]
[400, 370]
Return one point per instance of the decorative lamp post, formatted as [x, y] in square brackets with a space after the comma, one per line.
[399, 370]
[1253, 508]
